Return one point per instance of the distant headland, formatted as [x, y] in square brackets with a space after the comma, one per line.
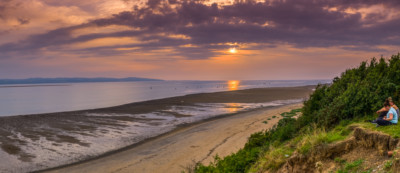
[72, 80]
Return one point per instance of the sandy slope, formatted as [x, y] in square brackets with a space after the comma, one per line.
[180, 149]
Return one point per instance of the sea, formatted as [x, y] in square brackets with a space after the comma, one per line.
[37, 142]
[48, 98]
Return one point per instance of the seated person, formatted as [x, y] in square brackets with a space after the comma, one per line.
[382, 112]
[390, 118]
[391, 103]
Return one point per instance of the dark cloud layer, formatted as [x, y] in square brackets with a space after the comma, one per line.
[301, 23]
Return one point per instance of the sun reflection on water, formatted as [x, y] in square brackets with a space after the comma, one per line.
[233, 107]
[233, 85]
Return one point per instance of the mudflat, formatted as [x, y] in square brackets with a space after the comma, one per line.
[181, 149]
[42, 141]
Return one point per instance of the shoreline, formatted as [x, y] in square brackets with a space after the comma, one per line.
[155, 100]
[176, 132]
[90, 134]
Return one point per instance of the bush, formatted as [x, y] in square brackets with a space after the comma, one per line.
[256, 145]
[356, 94]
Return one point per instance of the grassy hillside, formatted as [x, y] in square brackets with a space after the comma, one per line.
[353, 97]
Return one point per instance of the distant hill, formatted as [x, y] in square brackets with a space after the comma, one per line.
[71, 80]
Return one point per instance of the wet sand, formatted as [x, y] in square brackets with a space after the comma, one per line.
[33, 142]
[179, 150]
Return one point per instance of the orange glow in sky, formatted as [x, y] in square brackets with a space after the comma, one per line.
[233, 50]
[123, 38]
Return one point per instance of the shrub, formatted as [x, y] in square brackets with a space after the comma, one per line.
[356, 94]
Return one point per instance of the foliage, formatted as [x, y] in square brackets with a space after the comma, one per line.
[318, 136]
[349, 167]
[358, 92]
[256, 145]
[340, 160]
[390, 130]
[290, 114]
[388, 164]
[353, 165]
[276, 157]
[355, 95]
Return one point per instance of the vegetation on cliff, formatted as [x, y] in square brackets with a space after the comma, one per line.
[352, 97]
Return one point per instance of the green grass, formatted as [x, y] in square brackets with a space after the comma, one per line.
[340, 161]
[350, 99]
[290, 114]
[392, 130]
[351, 167]
[388, 164]
[274, 116]
[265, 122]
[269, 150]
[319, 136]
[368, 171]
[266, 143]
[277, 154]
[273, 159]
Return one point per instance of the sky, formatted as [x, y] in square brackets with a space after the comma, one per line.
[194, 39]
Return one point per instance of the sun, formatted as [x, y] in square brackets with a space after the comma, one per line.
[232, 50]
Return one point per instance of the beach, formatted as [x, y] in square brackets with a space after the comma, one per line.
[132, 133]
[181, 149]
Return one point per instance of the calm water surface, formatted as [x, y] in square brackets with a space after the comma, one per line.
[34, 99]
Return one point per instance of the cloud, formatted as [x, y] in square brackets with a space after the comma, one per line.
[209, 28]
[23, 21]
